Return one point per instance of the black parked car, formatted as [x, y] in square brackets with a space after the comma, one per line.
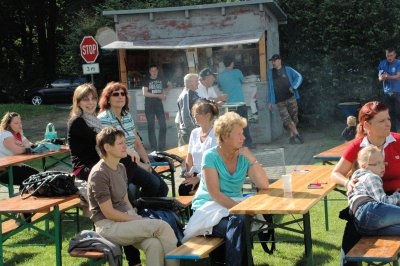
[60, 91]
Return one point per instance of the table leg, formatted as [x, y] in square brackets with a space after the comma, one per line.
[326, 213]
[247, 239]
[57, 235]
[44, 163]
[10, 182]
[307, 239]
[1, 241]
[173, 183]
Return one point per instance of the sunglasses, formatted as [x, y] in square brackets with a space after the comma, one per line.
[116, 94]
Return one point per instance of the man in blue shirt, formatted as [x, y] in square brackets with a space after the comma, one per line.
[230, 81]
[283, 82]
[389, 73]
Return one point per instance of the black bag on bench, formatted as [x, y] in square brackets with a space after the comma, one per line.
[49, 184]
[160, 203]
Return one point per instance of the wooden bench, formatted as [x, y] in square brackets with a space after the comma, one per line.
[196, 248]
[375, 250]
[95, 257]
[11, 225]
[186, 201]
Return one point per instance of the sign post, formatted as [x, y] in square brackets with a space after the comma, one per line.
[90, 52]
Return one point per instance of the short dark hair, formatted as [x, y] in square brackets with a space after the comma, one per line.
[228, 60]
[391, 50]
[107, 135]
[151, 66]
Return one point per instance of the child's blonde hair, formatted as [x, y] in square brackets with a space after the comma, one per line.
[351, 121]
[365, 153]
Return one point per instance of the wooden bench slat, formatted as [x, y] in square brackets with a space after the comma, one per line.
[196, 248]
[11, 225]
[185, 200]
[87, 254]
[375, 248]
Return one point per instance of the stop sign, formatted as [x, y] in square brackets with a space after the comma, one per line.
[89, 49]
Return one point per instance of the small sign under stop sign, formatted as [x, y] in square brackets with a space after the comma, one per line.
[90, 68]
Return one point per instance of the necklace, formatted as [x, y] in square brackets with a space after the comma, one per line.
[378, 146]
[204, 135]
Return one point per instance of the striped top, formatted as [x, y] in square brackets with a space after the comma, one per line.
[126, 124]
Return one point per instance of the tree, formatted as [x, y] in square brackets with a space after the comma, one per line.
[340, 44]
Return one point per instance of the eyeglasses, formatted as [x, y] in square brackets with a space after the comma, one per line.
[117, 93]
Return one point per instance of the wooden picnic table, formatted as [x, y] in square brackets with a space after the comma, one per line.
[6, 163]
[48, 205]
[302, 199]
[166, 172]
[333, 154]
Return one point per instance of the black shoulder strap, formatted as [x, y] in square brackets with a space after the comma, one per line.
[268, 237]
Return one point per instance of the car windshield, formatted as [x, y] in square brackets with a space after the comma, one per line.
[61, 82]
[78, 81]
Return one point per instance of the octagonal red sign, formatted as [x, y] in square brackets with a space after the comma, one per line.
[89, 49]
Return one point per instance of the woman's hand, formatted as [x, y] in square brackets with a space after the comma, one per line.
[247, 154]
[191, 181]
[134, 155]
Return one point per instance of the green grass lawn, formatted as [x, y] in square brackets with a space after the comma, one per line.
[27, 110]
[326, 244]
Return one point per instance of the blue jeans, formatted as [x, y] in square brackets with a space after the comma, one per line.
[152, 112]
[393, 103]
[232, 229]
[242, 111]
[377, 218]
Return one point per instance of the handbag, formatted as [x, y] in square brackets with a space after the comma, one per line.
[50, 132]
[160, 203]
[48, 184]
[45, 146]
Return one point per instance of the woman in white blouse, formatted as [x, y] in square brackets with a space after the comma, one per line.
[201, 139]
[13, 141]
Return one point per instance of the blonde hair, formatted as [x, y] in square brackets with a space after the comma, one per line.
[351, 121]
[81, 92]
[365, 153]
[6, 121]
[223, 126]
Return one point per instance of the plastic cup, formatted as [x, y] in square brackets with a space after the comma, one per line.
[287, 184]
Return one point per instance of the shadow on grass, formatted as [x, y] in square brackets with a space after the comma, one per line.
[19, 258]
[68, 231]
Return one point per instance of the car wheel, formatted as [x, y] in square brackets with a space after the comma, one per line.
[37, 100]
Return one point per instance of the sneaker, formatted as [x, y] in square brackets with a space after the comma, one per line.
[292, 140]
[300, 138]
[253, 120]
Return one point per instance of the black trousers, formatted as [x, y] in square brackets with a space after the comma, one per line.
[151, 184]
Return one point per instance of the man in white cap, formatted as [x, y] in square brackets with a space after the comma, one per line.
[205, 88]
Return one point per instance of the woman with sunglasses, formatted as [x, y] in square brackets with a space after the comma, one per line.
[114, 111]
[83, 127]
[373, 129]
[13, 141]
